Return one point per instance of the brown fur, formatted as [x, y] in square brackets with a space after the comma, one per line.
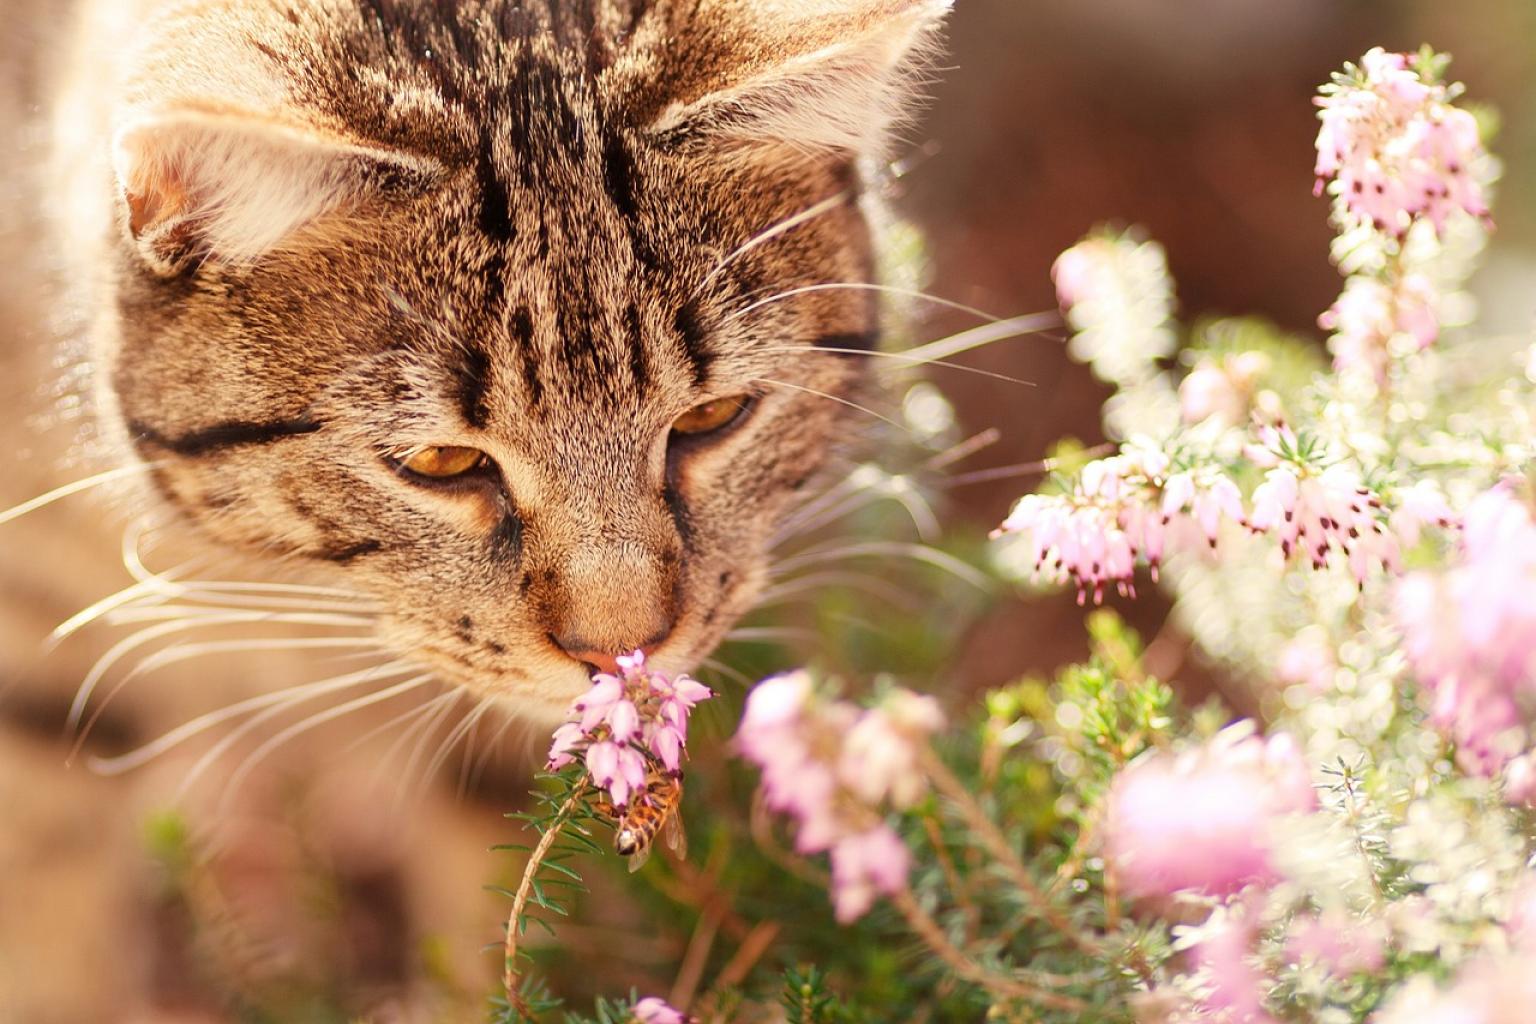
[340, 227]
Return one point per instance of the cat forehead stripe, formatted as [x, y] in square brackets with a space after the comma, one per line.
[230, 434]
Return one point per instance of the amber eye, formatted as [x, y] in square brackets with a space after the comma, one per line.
[709, 417]
[441, 463]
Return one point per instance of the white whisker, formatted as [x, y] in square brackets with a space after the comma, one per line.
[910, 293]
[203, 613]
[986, 334]
[419, 749]
[391, 723]
[865, 486]
[185, 652]
[834, 398]
[158, 587]
[901, 357]
[463, 731]
[491, 747]
[202, 723]
[715, 665]
[67, 490]
[811, 583]
[255, 757]
[251, 601]
[469, 758]
[181, 619]
[770, 634]
[962, 450]
[888, 549]
[769, 234]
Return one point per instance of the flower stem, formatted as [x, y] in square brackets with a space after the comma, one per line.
[933, 936]
[510, 977]
[997, 844]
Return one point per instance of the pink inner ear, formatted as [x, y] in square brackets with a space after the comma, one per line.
[157, 195]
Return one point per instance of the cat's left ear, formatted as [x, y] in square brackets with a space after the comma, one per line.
[232, 187]
[817, 75]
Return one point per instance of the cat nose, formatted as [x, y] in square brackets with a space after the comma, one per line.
[602, 660]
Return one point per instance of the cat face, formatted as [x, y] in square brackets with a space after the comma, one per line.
[501, 313]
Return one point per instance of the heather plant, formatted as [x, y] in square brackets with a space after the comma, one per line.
[1352, 543]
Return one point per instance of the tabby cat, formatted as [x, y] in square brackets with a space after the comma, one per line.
[528, 318]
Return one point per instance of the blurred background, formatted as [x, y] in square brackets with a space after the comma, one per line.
[342, 878]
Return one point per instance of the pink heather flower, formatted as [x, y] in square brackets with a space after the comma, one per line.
[1315, 514]
[1396, 148]
[624, 724]
[651, 1010]
[1123, 508]
[864, 866]
[1521, 924]
[1470, 634]
[1371, 313]
[1335, 942]
[1520, 781]
[1200, 821]
[1082, 272]
[879, 758]
[832, 767]
[1488, 991]
[1417, 506]
[1222, 389]
[1235, 984]
[1307, 660]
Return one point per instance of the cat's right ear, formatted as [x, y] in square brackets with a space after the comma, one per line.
[232, 188]
[815, 75]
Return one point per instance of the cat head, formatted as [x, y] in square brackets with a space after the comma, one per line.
[512, 314]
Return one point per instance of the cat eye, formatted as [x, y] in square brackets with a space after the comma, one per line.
[440, 462]
[709, 417]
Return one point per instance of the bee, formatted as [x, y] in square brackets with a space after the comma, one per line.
[655, 810]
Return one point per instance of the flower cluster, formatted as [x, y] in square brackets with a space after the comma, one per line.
[831, 766]
[1121, 509]
[1223, 389]
[1118, 301]
[1315, 511]
[1470, 634]
[1498, 990]
[1372, 314]
[1395, 146]
[624, 724]
[1200, 821]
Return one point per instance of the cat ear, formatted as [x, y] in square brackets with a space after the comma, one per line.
[234, 187]
[813, 74]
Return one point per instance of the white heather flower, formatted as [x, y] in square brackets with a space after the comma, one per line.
[1396, 148]
[1222, 389]
[1119, 302]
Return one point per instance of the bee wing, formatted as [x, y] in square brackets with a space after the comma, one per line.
[639, 857]
[675, 835]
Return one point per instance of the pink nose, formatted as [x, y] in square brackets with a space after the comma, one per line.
[603, 661]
